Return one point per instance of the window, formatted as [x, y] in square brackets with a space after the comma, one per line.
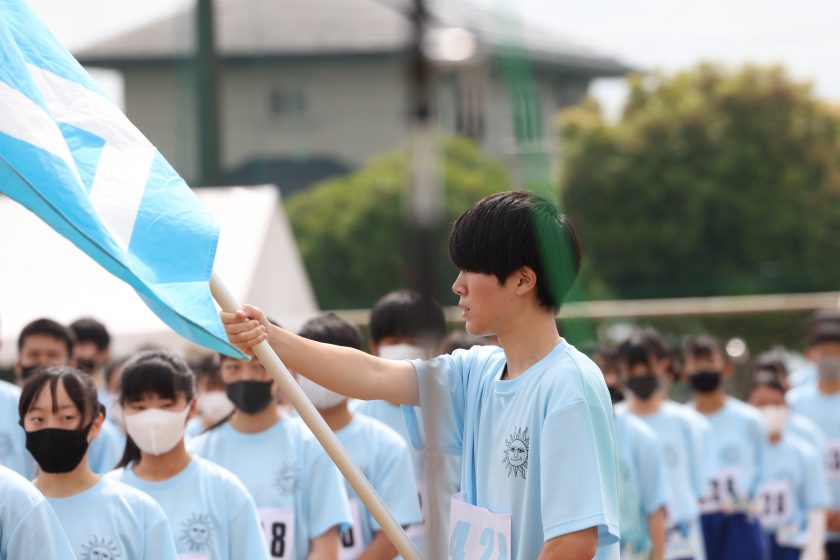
[286, 102]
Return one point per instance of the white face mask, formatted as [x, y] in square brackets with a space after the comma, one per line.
[156, 431]
[321, 397]
[402, 352]
[775, 418]
[214, 406]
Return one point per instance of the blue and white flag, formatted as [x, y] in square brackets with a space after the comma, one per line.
[69, 155]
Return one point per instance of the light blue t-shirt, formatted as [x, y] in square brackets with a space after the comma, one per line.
[28, 526]
[803, 376]
[13, 453]
[824, 411]
[739, 443]
[107, 449]
[114, 520]
[541, 447]
[208, 509]
[383, 457]
[284, 468]
[644, 480]
[793, 484]
[806, 430]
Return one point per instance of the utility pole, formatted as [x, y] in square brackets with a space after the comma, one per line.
[207, 97]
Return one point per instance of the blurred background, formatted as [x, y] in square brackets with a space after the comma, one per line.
[695, 145]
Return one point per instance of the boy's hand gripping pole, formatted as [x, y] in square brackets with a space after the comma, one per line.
[310, 415]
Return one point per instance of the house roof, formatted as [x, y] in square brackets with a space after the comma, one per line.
[295, 28]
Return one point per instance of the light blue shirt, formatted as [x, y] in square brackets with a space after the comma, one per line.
[28, 527]
[795, 484]
[383, 457]
[107, 449]
[13, 453]
[739, 442]
[644, 480]
[283, 467]
[208, 509]
[114, 520]
[803, 376]
[541, 447]
[824, 411]
[806, 430]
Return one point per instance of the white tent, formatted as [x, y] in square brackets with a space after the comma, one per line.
[44, 275]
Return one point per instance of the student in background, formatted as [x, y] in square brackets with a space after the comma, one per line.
[102, 518]
[297, 489]
[209, 510]
[212, 403]
[793, 494]
[380, 453]
[729, 528]
[92, 351]
[28, 527]
[820, 402]
[808, 375]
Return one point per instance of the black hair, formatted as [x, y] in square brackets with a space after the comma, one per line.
[767, 383]
[207, 366]
[462, 340]
[153, 372]
[509, 230]
[607, 355]
[770, 364]
[703, 346]
[88, 329]
[79, 386]
[332, 329]
[824, 333]
[406, 313]
[112, 368]
[48, 327]
[637, 349]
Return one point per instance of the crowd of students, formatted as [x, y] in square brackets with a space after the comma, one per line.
[517, 446]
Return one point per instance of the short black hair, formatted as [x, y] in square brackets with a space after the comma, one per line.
[48, 327]
[768, 383]
[824, 333]
[79, 386]
[462, 340]
[637, 349]
[507, 231]
[770, 365]
[406, 313]
[332, 329]
[88, 329]
[703, 346]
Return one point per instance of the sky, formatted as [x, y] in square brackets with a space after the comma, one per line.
[647, 34]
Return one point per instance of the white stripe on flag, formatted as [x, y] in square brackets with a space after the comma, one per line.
[125, 161]
[25, 120]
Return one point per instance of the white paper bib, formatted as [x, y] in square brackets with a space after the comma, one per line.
[279, 529]
[477, 533]
[352, 544]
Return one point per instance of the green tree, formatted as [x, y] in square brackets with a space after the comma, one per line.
[351, 230]
[712, 182]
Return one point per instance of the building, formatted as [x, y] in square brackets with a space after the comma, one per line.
[313, 88]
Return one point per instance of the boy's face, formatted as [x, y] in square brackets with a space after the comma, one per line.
[824, 350]
[240, 370]
[484, 303]
[38, 350]
[766, 396]
[88, 357]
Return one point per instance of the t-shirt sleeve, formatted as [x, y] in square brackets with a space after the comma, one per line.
[160, 542]
[246, 536]
[650, 459]
[701, 448]
[38, 536]
[442, 382]
[817, 493]
[579, 472]
[326, 495]
[395, 483]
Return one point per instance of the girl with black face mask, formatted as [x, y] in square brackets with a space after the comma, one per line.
[61, 415]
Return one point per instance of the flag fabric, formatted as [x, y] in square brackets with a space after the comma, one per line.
[68, 154]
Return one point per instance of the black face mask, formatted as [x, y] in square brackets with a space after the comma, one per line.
[705, 381]
[86, 366]
[616, 396]
[57, 450]
[27, 371]
[643, 386]
[250, 396]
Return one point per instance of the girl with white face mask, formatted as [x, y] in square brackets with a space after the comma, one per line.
[102, 518]
[210, 512]
[298, 490]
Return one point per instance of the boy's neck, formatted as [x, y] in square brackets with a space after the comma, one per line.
[709, 403]
[828, 386]
[255, 423]
[64, 485]
[154, 468]
[645, 407]
[528, 340]
[338, 416]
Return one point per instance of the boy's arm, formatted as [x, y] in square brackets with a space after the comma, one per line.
[352, 373]
[380, 548]
[325, 546]
[579, 545]
[656, 529]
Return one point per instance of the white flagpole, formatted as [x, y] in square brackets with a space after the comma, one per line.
[310, 415]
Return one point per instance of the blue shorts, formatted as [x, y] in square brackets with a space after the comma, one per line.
[775, 551]
[732, 536]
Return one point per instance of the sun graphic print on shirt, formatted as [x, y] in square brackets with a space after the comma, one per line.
[100, 549]
[287, 478]
[516, 453]
[197, 532]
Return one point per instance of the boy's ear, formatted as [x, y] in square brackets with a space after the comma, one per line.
[526, 280]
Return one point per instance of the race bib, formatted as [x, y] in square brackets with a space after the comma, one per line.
[279, 529]
[832, 460]
[352, 543]
[776, 504]
[477, 534]
[724, 492]
[419, 529]
[682, 540]
[194, 556]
